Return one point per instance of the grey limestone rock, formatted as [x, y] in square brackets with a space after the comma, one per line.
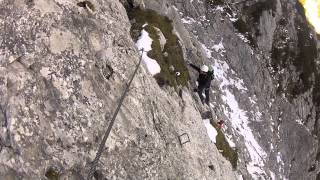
[56, 100]
[272, 48]
[63, 67]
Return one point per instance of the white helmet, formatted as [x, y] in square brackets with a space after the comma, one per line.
[204, 68]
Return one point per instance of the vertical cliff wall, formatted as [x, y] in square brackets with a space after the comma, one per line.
[65, 63]
[63, 67]
[266, 61]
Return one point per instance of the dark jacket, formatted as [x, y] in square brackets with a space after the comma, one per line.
[204, 79]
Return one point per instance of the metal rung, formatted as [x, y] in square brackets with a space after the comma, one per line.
[184, 138]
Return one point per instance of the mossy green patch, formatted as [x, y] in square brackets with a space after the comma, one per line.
[171, 55]
[222, 144]
[52, 174]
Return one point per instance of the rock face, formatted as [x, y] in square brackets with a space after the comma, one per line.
[271, 47]
[63, 67]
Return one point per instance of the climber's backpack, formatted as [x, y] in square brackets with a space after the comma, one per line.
[211, 74]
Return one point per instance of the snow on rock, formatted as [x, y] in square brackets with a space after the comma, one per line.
[203, 18]
[229, 139]
[219, 8]
[212, 132]
[240, 177]
[239, 120]
[300, 121]
[144, 42]
[273, 176]
[188, 20]
[238, 117]
[208, 51]
[219, 48]
[233, 19]
[220, 69]
[281, 166]
[255, 171]
[242, 37]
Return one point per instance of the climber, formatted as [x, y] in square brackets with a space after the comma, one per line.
[204, 81]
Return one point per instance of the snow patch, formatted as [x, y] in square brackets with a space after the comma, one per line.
[219, 8]
[208, 51]
[239, 120]
[203, 18]
[255, 171]
[252, 100]
[220, 69]
[242, 37]
[229, 139]
[212, 132]
[273, 176]
[219, 48]
[271, 146]
[188, 20]
[281, 166]
[144, 42]
[299, 121]
[233, 19]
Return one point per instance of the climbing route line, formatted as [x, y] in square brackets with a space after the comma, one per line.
[107, 133]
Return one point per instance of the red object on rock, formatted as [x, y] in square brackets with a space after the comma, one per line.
[220, 124]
